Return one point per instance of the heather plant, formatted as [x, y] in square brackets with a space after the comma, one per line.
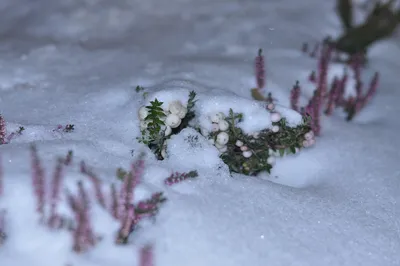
[119, 205]
[157, 124]
[327, 97]
[251, 154]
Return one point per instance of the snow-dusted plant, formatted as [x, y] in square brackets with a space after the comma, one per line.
[158, 124]
[253, 153]
[4, 138]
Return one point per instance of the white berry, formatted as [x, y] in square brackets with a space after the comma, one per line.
[247, 154]
[214, 127]
[172, 120]
[168, 131]
[275, 129]
[223, 125]
[244, 148]
[175, 107]
[270, 106]
[239, 143]
[182, 113]
[309, 135]
[271, 160]
[275, 117]
[222, 138]
[143, 112]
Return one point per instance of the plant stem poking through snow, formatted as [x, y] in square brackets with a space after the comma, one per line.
[38, 180]
[83, 235]
[3, 235]
[146, 256]
[294, 97]
[179, 177]
[3, 130]
[260, 70]
[54, 220]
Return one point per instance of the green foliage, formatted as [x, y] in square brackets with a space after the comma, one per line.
[285, 141]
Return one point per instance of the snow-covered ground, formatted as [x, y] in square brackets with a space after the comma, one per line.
[79, 61]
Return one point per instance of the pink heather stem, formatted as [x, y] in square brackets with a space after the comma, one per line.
[130, 182]
[114, 202]
[83, 234]
[326, 52]
[333, 94]
[260, 70]
[372, 89]
[96, 183]
[294, 96]
[341, 90]
[38, 179]
[55, 193]
[68, 158]
[146, 256]
[355, 63]
[3, 130]
[2, 226]
[312, 77]
[179, 177]
[127, 224]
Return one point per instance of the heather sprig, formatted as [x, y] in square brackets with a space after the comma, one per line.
[177, 177]
[3, 130]
[260, 70]
[38, 181]
[294, 96]
[146, 256]
[152, 133]
[67, 128]
[3, 235]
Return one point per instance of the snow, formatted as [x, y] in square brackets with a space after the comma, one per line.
[79, 62]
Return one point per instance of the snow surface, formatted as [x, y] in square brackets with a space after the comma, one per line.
[78, 61]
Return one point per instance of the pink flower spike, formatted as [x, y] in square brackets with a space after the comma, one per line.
[372, 88]
[260, 70]
[55, 193]
[146, 256]
[126, 225]
[3, 130]
[294, 96]
[3, 235]
[179, 177]
[114, 203]
[38, 180]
